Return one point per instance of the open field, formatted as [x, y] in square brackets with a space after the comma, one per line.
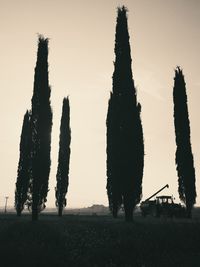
[93, 241]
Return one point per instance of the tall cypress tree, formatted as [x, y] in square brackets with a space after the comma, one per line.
[125, 147]
[24, 169]
[41, 124]
[184, 156]
[113, 180]
[62, 176]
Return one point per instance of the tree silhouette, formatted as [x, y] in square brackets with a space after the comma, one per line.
[62, 176]
[24, 169]
[113, 180]
[41, 124]
[184, 156]
[125, 147]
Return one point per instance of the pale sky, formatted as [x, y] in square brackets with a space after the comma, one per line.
[163, 34]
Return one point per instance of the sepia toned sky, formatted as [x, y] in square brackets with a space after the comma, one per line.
[163, 34]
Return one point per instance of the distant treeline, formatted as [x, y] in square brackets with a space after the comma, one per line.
[125, 141]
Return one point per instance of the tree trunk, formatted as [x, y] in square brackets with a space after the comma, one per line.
[115, 210]
[128, 209]
[34, 214]
[189, 211]
[60, 211]
[128, 215]
[19, 212]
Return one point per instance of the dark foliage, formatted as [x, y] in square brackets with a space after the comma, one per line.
[125, 147]
[41, 124]
[63, 157]
[24, 167]
[184, 156]
[113, 191]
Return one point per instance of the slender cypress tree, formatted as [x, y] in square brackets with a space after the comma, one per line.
[24, 171]
[184, 156]
[113, 180]
[62, 176]
[125, 147]
[41, 124]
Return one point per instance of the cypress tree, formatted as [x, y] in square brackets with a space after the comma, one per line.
[24, 169]
[41, 124]
[125, 147]
[184, 156]
[62, 176]
[113, 181]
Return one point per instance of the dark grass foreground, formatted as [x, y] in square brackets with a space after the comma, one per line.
[98, 241]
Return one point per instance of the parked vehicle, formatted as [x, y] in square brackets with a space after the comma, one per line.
[162, 206]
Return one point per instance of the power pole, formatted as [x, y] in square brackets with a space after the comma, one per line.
[6, 204]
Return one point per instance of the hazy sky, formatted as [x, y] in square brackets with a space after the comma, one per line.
[163, 34]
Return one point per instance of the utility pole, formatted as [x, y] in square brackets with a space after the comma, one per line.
[6, 204]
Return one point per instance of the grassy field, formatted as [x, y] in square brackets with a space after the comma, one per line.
[94, 241]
